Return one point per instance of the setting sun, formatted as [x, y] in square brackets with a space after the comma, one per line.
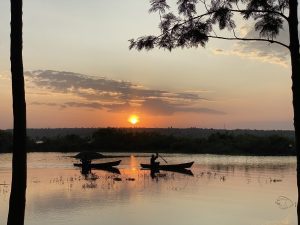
[133, 119]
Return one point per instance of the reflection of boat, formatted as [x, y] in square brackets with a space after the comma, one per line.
[87, 170]
[154, 172]
[170, 167]
[100, 165]
[183, 171]
[110, 169]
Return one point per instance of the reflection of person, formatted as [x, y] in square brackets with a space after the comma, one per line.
[152, 160]
[85, 171]
[153, 174]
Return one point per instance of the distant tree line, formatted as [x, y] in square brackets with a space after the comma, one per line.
[38, 133]
[120, 140]
[5, 141]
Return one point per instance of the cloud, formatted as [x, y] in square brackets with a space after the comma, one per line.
[113, 95]
[258, 51]
[5, 76]
[153, 106]
[161, 107]
[94, 105]
[47, 104]
[93, 88]
[272, 53]
[261, 51]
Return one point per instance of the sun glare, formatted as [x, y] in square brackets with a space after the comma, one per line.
[133, 119]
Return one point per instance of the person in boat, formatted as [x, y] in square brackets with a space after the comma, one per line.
[85, 162]
[152, 160]
[85, 168]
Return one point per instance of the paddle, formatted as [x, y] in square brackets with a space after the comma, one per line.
[163, 158]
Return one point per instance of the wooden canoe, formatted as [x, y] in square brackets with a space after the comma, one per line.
[100, 165]
[168, 166]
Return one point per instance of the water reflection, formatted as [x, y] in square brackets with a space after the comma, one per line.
[223, 190]
[86, 171]
[154, 173]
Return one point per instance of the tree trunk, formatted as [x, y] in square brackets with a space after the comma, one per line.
[295, 63]
[19, 163]
[296, 104]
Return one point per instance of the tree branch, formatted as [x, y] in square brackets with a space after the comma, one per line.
[209, 13]
[249, 39]
[235, 37]
[261, 11]
[237, 11]
[204, 3]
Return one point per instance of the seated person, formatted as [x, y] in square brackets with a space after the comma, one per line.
[152, 160]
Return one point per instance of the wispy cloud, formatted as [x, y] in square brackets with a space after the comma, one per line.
[271, 53]
[114, 95]
[162, 107]
[257, 51]
[261, 51]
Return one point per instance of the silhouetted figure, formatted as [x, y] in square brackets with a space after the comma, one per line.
[154, 165]
[86, 164]
[152, 161]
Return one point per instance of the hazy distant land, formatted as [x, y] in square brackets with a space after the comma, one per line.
[171, 140]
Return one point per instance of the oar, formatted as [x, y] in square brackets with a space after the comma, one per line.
[163, 158]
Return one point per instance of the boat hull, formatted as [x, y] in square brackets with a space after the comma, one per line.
[100, 165]
[168, 167]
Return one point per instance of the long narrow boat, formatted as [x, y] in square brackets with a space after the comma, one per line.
[168, 166]
[100, 165]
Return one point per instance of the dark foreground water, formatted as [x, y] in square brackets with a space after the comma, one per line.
[224, 190]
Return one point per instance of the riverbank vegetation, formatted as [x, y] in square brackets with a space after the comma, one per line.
[124, 140]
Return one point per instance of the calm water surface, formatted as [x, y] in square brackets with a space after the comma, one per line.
[224, 190]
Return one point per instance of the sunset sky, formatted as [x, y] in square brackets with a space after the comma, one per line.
[80, 72]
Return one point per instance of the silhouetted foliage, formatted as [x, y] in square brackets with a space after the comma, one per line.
[127, 140]
[191, 29]
[67, 143]
[5, 141]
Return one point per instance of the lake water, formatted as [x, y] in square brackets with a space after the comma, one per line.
[224, 190]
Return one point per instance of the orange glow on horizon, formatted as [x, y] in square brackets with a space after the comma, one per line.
[133, 119]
